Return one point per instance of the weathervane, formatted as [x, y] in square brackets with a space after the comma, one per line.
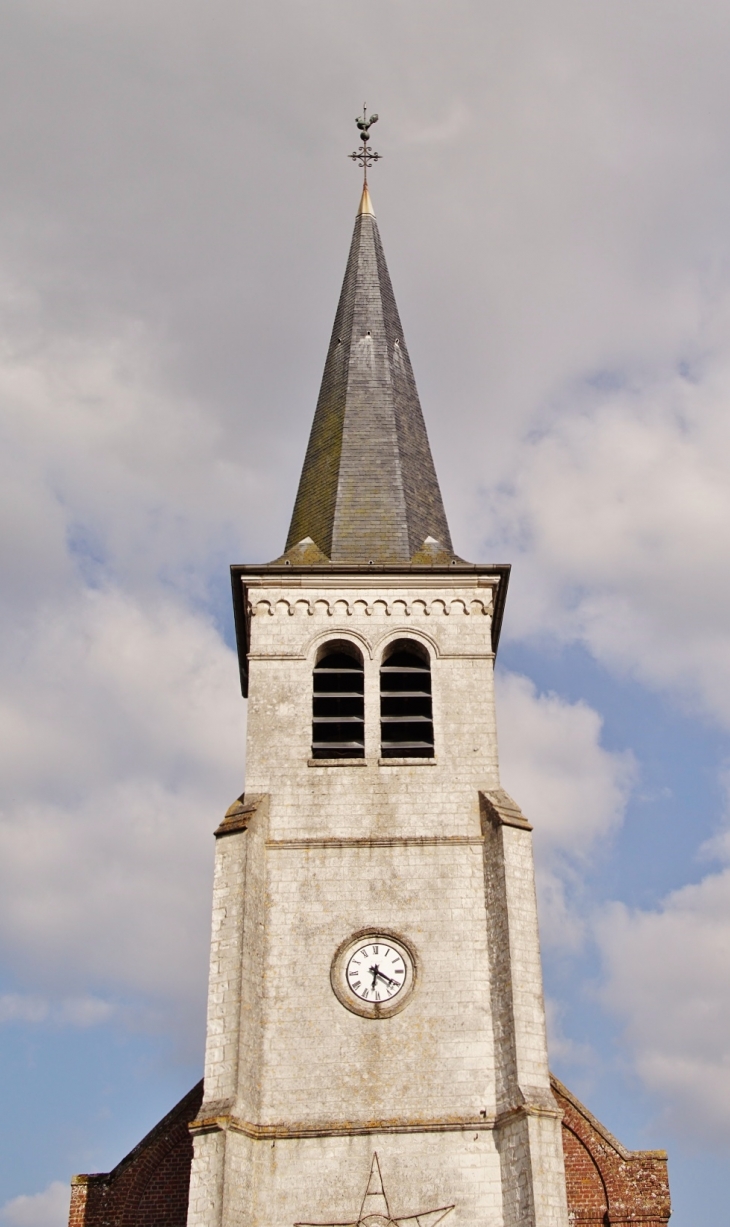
[365, 156]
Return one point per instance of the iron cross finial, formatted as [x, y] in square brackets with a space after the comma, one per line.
[365, 156]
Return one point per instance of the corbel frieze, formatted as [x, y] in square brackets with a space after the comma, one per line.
[380, 607]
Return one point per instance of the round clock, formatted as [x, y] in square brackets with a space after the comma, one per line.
[374, 973]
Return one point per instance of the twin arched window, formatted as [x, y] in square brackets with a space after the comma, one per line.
[406, 714]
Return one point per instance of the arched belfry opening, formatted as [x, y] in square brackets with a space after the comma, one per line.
[338, 702]
[406, 705]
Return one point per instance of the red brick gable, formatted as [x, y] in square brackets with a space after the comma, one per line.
[149, 1188]
[606, 1183]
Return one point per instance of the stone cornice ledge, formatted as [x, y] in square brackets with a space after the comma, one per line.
[529, 1101]
[376, 841]
[526, 1109]
[257, 1132]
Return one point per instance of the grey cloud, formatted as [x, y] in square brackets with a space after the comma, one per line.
[175, 211]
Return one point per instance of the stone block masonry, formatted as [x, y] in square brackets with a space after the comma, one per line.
[454, 1089]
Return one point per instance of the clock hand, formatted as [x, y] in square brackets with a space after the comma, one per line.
[377, 974]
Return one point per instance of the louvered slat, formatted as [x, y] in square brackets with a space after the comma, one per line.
[406, 716]
[338, 713]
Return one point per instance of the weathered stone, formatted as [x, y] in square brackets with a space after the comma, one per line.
[454, 1091]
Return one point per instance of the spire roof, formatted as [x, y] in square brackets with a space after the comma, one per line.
[368, 490]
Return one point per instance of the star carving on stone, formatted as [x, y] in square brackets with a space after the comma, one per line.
[375, 1211]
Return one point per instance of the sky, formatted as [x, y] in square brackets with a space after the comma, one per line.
[176, 206]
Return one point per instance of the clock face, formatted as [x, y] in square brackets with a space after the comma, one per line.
[374, 973]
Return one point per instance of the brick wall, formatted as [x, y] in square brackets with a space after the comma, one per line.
[607, 1184]
[149, 1188]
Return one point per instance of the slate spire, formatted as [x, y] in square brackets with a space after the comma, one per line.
[368, 490]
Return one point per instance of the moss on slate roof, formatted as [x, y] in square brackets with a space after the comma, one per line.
[368, 490]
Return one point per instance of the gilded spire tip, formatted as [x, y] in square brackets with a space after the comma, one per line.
[366, 204]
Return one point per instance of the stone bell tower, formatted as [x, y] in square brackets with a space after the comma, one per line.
[376, 1045]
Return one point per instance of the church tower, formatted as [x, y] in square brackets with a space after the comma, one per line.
[376, 1047]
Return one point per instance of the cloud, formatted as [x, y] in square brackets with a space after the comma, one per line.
[105, 475]
[121, 749]
[579, 1056]
[572, 789]
[121, 722]
[71, 1011]
[121, 725]
[621, 513]
[666, 971]
[173, 229]
[46, 1209]
[668, 980]
[580, 199]
[19, 1007]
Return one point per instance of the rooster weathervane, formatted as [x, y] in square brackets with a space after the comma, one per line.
[366, 156]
